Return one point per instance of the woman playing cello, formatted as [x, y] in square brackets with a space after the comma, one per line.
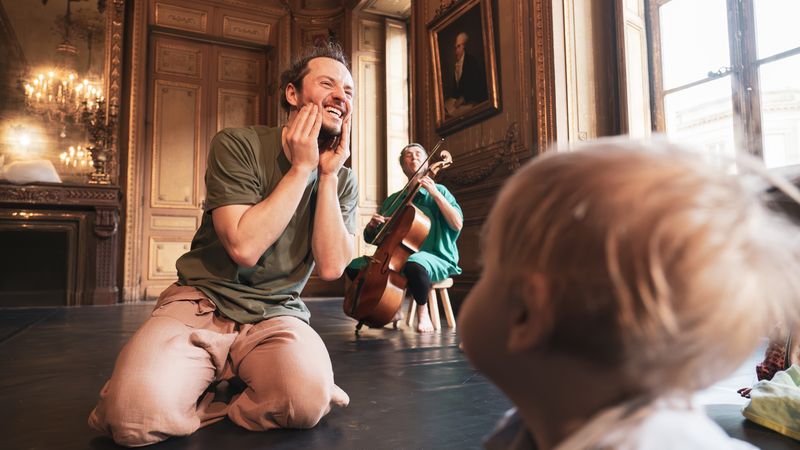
[432, 259]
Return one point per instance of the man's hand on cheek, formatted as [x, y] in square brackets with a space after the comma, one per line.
[301, 136]
[330, 161]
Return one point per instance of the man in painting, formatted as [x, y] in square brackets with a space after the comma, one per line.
[467, 84]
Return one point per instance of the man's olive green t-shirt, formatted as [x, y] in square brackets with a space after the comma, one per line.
[244, 167]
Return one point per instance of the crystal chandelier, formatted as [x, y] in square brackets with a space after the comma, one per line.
[58, 93]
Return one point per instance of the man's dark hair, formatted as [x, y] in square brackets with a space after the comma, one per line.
[299, 68]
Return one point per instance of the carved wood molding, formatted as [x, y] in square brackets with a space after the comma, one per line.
[544, 74]
[138, 76]
[253, 6]
[106, 222]
[384, 9]
[59, 195]
[318, 16]
[506, 151]
[445, 7]
[114, 39]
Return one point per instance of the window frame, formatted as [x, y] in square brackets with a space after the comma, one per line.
[745, 86]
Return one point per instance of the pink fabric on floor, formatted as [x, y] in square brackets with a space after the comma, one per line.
[163, 371]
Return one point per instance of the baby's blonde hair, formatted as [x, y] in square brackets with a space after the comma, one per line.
[658, 265]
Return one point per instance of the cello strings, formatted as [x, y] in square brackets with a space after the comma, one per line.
[404, 196]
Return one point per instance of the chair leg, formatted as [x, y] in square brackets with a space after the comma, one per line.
[448, 309]
[433, 308]
[412, 311]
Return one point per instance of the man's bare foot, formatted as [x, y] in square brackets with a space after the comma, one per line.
[424, 324]
[339, 397]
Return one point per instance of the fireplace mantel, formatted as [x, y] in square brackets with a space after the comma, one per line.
[96, 207]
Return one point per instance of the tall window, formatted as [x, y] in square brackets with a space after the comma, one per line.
[726, 75]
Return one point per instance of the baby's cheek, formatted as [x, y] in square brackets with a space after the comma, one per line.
[476, 321]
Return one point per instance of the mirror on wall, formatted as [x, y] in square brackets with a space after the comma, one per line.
[56, 120]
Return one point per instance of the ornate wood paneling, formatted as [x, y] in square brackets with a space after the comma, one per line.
[136, 141]
[370, 36]
[196, 84]
[236, 108]
[173, 59]
[173, 223]
[163, 254]
[317, 4]
[239, 69]
[269, 28]
[245, 29]
[181, 17]
[240, 83]
[477, 165]
[240, 87]
[176, 144]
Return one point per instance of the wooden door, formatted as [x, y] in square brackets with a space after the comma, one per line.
[195, 89]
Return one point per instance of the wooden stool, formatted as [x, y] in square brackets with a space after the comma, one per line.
[433, 306]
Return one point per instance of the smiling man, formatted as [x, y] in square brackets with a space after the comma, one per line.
[279, 202]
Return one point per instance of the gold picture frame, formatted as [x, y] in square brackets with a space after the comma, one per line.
[465, 66]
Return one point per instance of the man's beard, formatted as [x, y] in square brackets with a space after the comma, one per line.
[327, 132]
[328, 138]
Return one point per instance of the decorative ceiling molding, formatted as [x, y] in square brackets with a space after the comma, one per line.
[400, 9]
[318, 15]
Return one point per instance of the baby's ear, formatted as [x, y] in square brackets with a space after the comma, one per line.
[531, 315]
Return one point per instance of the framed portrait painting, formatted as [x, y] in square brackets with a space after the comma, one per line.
[464, 65]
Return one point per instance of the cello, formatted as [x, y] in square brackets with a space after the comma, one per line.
[377, 292]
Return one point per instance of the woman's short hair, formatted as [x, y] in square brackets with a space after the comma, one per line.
[403, 151]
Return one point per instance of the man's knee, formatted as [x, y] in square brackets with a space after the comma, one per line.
[154, 389]
[298, 407]
[295, 398]
[142, 413]
[306, 405]
[289, 377]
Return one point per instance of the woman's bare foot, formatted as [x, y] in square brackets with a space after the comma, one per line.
[424, 324]
[744, 392]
